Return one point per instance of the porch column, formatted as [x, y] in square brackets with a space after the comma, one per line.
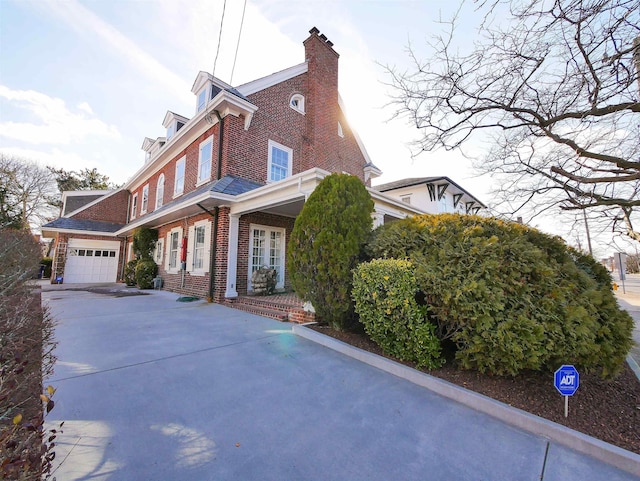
[378, 219]
[232, 256]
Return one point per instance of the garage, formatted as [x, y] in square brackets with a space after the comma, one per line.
[91, 261]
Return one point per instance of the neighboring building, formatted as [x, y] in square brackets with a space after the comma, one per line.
[223, 187]
[433, 195]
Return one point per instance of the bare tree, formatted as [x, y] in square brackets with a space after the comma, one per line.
[26, 191]
[554, 88]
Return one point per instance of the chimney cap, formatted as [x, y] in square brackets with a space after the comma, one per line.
[314, 30]
[330, 43]
[323, 37]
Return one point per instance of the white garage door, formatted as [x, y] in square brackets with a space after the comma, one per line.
[91, 261]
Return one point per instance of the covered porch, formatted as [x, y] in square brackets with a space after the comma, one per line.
[253, 235]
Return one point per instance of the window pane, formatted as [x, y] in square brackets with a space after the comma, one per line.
[202, 97]
[89, 253]
[198, 254]
[160, 192]
[112, 253]
[204, 163]
[258, 248]
[179, 183]
[279, 164]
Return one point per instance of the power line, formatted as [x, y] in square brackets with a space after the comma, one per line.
[224, 7]
[238, 44]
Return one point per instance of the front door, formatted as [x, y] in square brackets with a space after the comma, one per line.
[266, 248]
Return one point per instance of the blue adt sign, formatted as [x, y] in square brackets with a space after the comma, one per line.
[567, 380]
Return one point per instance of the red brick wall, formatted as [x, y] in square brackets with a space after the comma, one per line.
[193, 285]
[313, 136]
[192, 152]
[246, 152]
[112, 209]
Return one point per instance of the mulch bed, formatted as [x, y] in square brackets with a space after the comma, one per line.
[607, 410]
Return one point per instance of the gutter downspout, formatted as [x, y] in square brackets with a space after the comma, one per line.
[124, 248]
[216, 214]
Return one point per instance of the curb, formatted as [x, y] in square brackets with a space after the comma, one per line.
[634, 366]
[590, 446]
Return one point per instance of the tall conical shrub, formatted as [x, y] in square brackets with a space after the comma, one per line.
[325, 244]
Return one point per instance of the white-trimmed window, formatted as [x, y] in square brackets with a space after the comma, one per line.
[160, 191]
[267, 248]
[178, 186]
[204, 160]
[297, 103]
[280, 162]
[172, 250]
[158, 252]
[199, 248]
[134, 205]
[145, 199]
[201, 99]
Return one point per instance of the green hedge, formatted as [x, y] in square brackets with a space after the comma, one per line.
[146, 270]
[510, 297]
[130, 273]
[384, 293]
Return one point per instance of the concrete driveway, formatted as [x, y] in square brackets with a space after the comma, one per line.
[154, 389]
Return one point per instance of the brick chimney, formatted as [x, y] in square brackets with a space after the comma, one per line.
[321, 103]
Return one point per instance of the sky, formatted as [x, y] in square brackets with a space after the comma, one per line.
[82, 83]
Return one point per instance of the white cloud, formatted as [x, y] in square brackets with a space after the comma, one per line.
[88, 23]
[86, 107]
[57, 124]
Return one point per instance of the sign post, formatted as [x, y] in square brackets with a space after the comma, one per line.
[566, 380]
[621, 265]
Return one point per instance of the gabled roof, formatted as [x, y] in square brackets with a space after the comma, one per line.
[273, 79]
[66, 223]
[170, 116]
[409, 182]
[76, 200]
[398, 184]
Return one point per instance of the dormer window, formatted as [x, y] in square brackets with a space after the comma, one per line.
[202, 99]
[297, 103]
[173, 123]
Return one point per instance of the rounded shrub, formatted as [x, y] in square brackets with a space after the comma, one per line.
[130, 273]
[384, 293]
[326, 243]
[510, 297]
[146, 270]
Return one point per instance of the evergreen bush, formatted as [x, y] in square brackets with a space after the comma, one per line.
[144, 242]
[130, 273]
[47, 262]
[510, 297]
[384, 293]
[326, 243]
[146, 270]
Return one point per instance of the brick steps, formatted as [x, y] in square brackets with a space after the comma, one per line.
[280, 314]
[276, 307]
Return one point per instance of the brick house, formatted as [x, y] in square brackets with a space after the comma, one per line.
[223, 187]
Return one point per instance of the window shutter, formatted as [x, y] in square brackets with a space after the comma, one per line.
[191, 239]
[207, 246]
[167, 252]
